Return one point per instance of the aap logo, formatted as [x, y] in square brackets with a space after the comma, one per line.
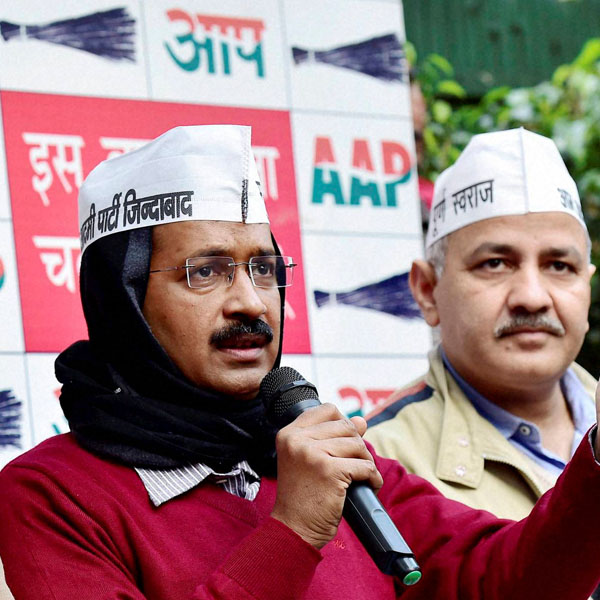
[372, 176]
[216, 45]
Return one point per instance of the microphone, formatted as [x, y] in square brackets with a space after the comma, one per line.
[286, 395]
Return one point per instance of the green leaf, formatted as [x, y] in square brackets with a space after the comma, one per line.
[441, 63]
[411, 53]
[431, 143]
[441, 111]
[449, 87]
[589, 54]
[496, 94]
[561, 74]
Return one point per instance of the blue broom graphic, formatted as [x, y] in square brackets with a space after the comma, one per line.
[108, 33]
[10, 420]
[382, 57]
[391, 296]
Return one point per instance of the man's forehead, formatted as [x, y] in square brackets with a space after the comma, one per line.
[539, 230]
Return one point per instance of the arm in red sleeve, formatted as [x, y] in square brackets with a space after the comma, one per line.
[273, 563]
[469, 555]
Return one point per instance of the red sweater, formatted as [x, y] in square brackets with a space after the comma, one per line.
[74, 526]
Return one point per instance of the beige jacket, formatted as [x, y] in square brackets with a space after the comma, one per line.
[437, 434]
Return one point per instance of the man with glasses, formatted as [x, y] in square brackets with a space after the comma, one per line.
[169, 487]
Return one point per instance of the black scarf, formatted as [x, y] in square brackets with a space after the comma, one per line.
[123, 396]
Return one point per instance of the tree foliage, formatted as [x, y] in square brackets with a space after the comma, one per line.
[565, 108]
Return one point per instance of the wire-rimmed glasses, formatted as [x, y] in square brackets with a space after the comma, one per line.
[208, 272]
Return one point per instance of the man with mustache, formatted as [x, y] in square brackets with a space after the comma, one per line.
[173, 485]
[506, 281]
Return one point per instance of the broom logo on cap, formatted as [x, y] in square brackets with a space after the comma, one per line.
[109, 33]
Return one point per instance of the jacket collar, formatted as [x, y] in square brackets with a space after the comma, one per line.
[467, 440]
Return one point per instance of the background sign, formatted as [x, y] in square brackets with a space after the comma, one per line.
[324, 86]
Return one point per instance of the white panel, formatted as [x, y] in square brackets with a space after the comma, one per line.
[47, 416]
[314, 25]
[30, 64]
[357, 385]
[5, 212]
[343, 186]
[303, 363]
[337, 264]
[11, 326]
[13, 385]
[179, 48]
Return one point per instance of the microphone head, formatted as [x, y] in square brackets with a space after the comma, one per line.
[282, 388]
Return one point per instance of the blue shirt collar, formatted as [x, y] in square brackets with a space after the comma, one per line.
[524, 434]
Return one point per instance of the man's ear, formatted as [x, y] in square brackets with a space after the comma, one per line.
[422, 282]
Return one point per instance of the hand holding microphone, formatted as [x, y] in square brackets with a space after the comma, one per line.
[325, 472]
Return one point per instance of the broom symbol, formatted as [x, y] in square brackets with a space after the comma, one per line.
[108, 33]
[382, 57]
[10, 420]
[391, 296]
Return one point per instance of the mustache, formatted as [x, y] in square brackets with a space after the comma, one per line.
[236, 330]
[533, 321]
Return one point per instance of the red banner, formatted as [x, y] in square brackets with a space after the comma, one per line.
[53, 142]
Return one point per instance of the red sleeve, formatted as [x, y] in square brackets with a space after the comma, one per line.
[273, 563]
[467, 554]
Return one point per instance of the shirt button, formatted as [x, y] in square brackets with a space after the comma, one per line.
[525, 429]
[463, 441]
[460, 470]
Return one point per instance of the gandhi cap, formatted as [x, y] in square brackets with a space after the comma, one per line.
[198, 173]
[511, 172]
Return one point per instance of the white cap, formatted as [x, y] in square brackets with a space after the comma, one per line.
[512, 172]
[195, 173]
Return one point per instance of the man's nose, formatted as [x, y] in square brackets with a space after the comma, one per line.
[242, 297]
[529, 291]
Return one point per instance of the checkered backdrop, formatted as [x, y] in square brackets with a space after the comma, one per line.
[324, 86]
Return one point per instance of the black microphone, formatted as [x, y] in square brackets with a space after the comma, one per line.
[286, 395]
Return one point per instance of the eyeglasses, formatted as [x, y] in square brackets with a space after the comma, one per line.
[208, 272]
